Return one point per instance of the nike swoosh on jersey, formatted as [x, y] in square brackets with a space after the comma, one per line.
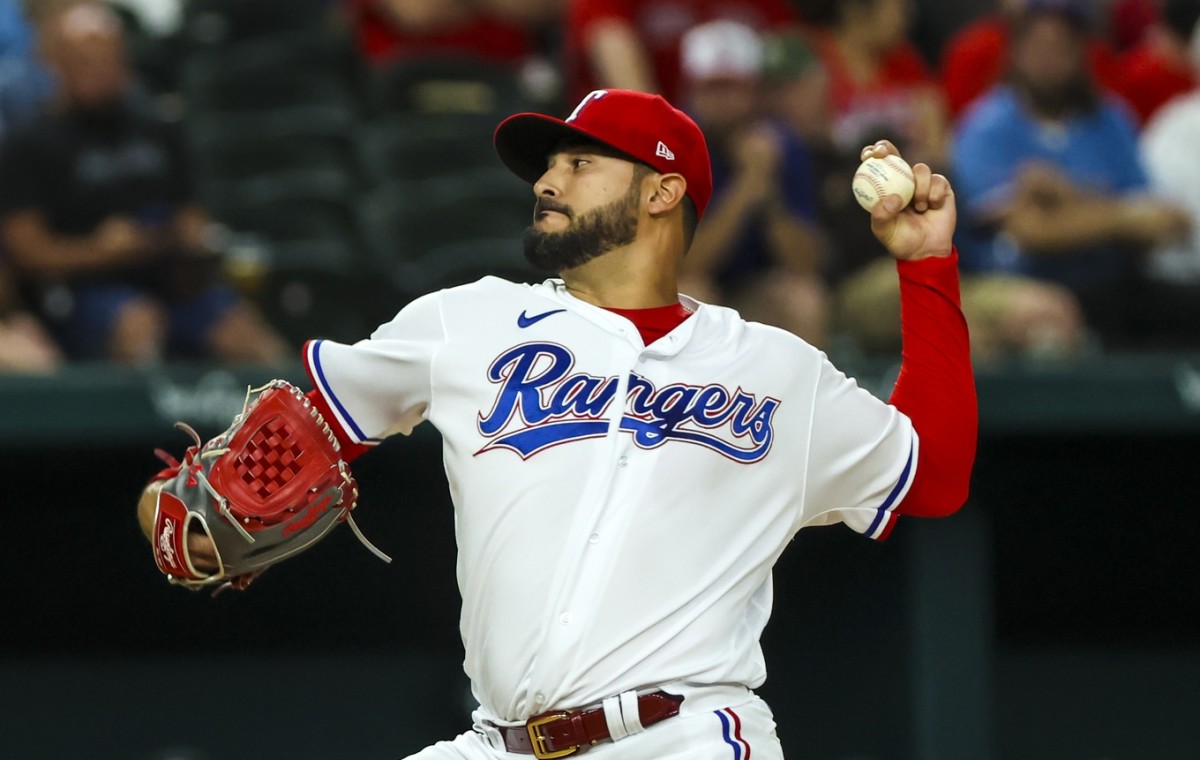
[524, 320]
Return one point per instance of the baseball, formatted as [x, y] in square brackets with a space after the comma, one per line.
[877, 178]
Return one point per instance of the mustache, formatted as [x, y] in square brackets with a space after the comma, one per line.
[544, 204]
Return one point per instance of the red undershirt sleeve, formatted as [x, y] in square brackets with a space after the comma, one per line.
[936, 386]
[350, 449]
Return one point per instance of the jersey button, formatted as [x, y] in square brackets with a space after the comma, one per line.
[594, 538]
[539, 699]
[566, 618]
[623, 461]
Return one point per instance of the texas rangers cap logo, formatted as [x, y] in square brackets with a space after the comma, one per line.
[587, 99]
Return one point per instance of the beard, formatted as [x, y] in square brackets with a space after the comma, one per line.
[587, 237]
[1073, 98]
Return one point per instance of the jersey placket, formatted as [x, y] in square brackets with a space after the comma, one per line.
[570, 606]
[599, 525]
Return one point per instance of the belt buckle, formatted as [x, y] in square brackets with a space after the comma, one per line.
[538, 742]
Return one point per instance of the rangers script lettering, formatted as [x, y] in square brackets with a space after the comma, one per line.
[555, 407]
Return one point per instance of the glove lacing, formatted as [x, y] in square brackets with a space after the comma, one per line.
[196, 471]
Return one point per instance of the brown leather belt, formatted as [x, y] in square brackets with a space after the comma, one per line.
[559, 733]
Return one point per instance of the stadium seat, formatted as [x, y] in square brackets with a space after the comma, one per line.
[335, 123]
[314, 289]
[298, 228]
[405, 221]
[419, 146]
[294, 50]
[430, 234]
[265, 90]
[215, 22]
[250, 156]
[445, 85]
[303, 217]
[329, 184]
[464, 261]
[295, 220]
[281, 70]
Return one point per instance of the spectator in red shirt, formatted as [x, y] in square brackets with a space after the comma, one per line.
[1160, 67]
[391, 29]
[879, 83]
[634, 44]
[976, 57]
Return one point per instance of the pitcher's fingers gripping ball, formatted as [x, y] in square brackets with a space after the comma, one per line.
[877, 178]
[269, 487]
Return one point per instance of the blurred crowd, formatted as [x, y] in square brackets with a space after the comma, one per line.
[1065, 126]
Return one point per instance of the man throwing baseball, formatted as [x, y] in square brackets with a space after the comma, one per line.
[626, 463]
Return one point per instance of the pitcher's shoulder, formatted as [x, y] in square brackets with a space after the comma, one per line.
[727, 325]
[496, 287]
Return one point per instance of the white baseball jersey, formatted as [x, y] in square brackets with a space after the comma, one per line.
[618, 507]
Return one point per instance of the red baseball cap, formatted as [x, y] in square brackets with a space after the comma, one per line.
[644, 127]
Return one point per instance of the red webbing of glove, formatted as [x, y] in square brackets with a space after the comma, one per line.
[936, 387]
[351, 450]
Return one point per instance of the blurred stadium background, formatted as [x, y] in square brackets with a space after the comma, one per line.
[1057, 616]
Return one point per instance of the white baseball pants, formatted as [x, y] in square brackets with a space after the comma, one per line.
[744, 732]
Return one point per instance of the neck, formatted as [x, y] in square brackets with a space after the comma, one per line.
[856, 43]
[1060, 104]
[859, 57]
[641, 275]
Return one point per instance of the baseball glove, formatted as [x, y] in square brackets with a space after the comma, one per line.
[267, 488]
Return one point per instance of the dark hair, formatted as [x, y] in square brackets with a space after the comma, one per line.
[1070, 11]
[838, 10]
[690, 221]
[1181, 17]
[1079, 96]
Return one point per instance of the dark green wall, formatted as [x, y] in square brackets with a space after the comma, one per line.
[1058, 617]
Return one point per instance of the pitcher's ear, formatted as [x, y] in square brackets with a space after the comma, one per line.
[669, 192]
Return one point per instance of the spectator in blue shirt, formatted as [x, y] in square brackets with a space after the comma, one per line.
[25, 84]
[758, 249]
[1049, 182]
[1007, 315]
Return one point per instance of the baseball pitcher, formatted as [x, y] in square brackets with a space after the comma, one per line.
[626, 463]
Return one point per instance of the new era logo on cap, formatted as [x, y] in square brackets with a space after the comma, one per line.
[646, 128]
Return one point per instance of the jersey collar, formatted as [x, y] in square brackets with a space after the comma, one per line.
[668, 345]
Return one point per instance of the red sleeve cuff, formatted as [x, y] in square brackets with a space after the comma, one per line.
[350, 449]
[938, 272]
